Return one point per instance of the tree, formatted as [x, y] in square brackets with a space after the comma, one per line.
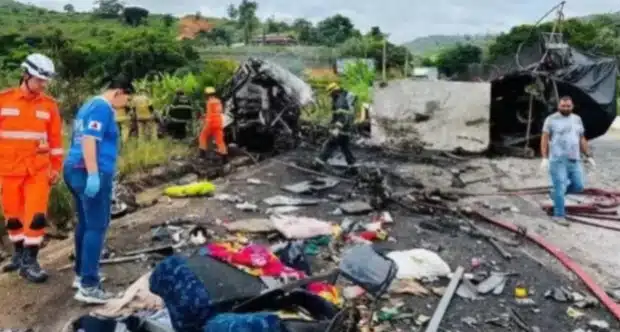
[108, 8]
[274, 26]
[168, 20]
[456, 59]
[247, 19]
[220, 35]
[135, 16]
[584, 35]
[336, 29]
[368, 47]
[233, 12]
[375, 32]
[69, 8]
[306, 32]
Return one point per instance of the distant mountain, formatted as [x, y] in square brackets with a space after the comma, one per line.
[431, 44]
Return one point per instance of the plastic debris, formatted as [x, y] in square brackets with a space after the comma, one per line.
[248, 207]
[419, 264]
[189, 190]
[294, 227]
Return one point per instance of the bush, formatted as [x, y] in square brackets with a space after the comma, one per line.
[162, 87]
[359, 78]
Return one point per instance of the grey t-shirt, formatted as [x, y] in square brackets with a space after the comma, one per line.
[565, 133]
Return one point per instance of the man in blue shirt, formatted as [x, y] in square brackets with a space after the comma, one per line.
[89, 172]
[561, 145]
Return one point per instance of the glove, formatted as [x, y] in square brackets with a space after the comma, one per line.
[590, 161]
[335, 132]
[544, 164]
[54, 176]
[93, 184]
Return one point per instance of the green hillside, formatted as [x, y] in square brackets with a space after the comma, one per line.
[434, 43]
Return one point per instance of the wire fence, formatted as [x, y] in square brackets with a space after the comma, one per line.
[294, 58]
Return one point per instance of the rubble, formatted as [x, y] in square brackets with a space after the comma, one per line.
[278, 234]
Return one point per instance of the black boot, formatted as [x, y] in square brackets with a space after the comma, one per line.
[202, 154]
[223, 158]
[16, 260]
[30, 269]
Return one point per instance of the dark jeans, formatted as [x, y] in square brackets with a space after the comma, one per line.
[93, 220]
[177, 130]
[341, 141]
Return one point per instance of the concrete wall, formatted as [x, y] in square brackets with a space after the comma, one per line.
[449, 106]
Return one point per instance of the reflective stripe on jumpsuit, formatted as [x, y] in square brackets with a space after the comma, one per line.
[30, 153]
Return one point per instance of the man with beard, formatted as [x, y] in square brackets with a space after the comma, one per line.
[561, 145]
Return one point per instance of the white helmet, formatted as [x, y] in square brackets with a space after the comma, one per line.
[40, 66]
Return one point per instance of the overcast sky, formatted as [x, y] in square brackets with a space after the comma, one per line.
[404, 20]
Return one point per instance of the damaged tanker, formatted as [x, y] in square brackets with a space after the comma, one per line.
[262, 103]
[504, 115]
[522, 99]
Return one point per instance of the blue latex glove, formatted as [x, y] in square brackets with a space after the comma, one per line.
[93, 184]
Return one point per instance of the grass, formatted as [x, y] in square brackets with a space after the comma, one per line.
[140, 154]
[136, 155]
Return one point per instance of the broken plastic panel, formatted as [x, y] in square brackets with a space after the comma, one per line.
[368, 269]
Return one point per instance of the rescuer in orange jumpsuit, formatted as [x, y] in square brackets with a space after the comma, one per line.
[30, 162]
[212, 126]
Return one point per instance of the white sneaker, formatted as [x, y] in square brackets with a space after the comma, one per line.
[77, 281]
[561, 221]
[93, 295]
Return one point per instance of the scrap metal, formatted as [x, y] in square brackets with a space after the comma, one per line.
[263, 104]
[433, 325]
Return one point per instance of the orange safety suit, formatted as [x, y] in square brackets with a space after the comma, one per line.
[213, 127]
[30, 154]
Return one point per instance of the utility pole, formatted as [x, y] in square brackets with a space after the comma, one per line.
[406, 64]
[384, 74]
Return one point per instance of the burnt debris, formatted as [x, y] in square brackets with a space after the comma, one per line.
[263, 104]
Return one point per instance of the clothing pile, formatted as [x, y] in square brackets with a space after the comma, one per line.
[260, 261]
[190, 306]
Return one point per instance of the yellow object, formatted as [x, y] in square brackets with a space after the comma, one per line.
[333, 298]
[363, 114]
[336, 231]
[381, 234]
[332, 86]
[209, 90]
[141, 103]
[192, 189]
[520, 292]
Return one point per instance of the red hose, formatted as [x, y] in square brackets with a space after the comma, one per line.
[564, 259]
[594, 222]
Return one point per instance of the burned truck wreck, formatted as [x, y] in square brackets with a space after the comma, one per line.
[262, 103]
[522, 99]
